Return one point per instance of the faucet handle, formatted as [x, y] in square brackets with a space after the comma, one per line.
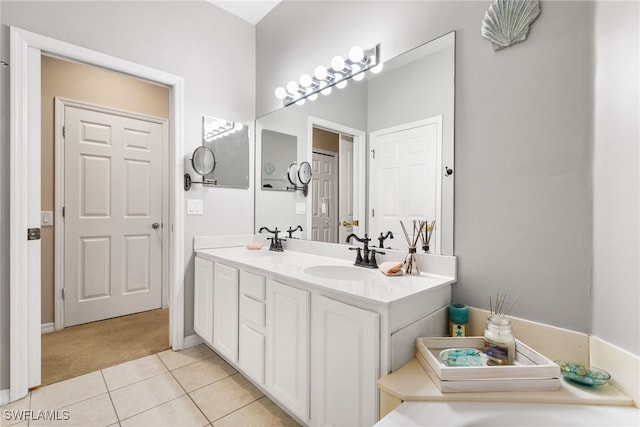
[358, 255]
[372, 259]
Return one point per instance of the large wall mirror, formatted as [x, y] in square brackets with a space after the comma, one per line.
[381, 151]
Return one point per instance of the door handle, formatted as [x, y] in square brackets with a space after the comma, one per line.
[346, 224]
[155, 225]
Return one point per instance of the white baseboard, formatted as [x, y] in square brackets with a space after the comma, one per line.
[4, 396]
[192, 341]
[45, 328]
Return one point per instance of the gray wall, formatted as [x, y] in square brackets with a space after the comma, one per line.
[523, 141]
[616, 178]
[212, 50]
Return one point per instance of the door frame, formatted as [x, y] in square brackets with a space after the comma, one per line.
[60, 169]
[359, 167]
[26, 48]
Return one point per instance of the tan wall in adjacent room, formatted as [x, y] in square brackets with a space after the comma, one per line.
[80, 82]
[326, 140]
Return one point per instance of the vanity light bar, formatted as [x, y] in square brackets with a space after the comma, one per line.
[323, 79]
[219, 128]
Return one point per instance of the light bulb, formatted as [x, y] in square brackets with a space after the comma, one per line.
[342, 84]
[305, 80]
[292, 87]
[238, 126]
[281, 93]
[377, 68]
[326, 90]
[300, 101]
[320, 72]
[312, 97]
[357, 76]
[356, 54]
[337, 63]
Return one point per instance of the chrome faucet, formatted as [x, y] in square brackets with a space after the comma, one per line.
[276, 242]
[365, 257]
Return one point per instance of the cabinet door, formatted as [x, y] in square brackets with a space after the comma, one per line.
[252, 353]
[287, 376]
[225, 311]
[203, 299]
[345, 360]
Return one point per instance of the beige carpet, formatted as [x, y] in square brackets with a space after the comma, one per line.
[78, 350]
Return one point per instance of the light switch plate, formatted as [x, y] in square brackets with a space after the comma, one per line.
[194, 207]
[301, 208]
[46, 219]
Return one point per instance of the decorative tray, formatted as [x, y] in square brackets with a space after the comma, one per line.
[531, 371]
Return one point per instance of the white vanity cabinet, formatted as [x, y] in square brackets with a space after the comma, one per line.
[345, 346]
[287, 358]
[225, 310]
[314, 345]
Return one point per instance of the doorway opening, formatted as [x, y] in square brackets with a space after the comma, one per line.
[332, 186]
[25, 212]
[338, 181]
[103, 176]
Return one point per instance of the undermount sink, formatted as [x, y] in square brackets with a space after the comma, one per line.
[340, 272]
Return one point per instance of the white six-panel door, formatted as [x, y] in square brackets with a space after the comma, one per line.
[405, 177]
[113, 212]
[324, 189]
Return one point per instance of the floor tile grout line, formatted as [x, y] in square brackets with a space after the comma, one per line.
[155, 407]
[191, 398]
[158, 405]
[113, 405]
[72, 403]
[212, 382]
[187, 364]
[141, 380]
[237, 409]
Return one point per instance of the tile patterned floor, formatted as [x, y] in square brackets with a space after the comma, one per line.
[192, 387]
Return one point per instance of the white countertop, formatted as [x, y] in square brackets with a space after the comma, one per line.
[290, 265]
[459, 414]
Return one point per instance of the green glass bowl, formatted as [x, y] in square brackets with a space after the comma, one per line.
[582, 375]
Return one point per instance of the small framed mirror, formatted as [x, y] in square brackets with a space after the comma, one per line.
[279, 152]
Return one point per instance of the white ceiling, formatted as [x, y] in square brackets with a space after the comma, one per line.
[251, 11]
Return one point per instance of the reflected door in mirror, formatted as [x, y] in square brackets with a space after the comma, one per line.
[324, 220]
[405, 177]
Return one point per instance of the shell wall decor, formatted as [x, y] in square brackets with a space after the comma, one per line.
[507, 21]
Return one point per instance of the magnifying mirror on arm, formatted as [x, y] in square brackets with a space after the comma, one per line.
[300, 174]
[203, 162]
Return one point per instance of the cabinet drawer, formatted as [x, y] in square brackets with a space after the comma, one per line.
[252, 285]
[252, 311]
